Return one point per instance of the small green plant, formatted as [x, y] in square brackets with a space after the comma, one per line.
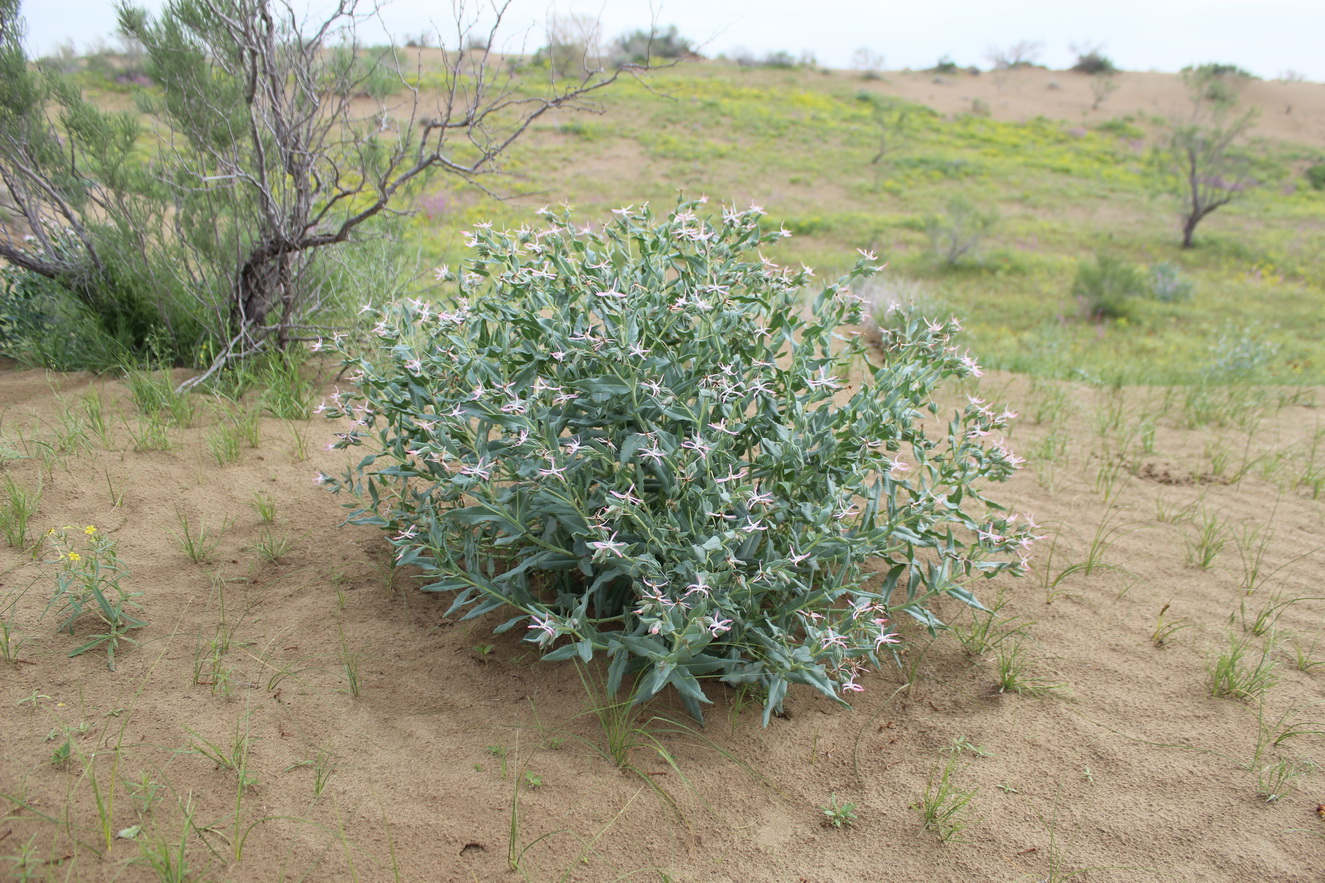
[987, 630]
[839, 815]
[1238, 674]
[499, 752]
[324, 764]
[88, 579]
[1014, 672]
[532, 779]
[223, 443]
[1107, 288]
[349, 660]
[1168, 285]
[959, 231]
[945, 807]
[16, 511]
[1276, 780]
[167, 857]
[145, 793]
[1166, 628]
[272, 547]
[265, 506]
[10, 642]
[962, 743]
[1209, 539]
[195, 540]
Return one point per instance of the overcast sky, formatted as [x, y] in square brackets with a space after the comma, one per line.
[1267, 38]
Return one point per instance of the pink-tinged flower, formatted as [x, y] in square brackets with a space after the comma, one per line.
[315, 346]
[732, 475]
[972, 366]
[408, 533]
[831, 639]
[638, 351]
[885, 637]
[759, 498]
[867, 255]
[320, 478]
[797, 559]
[898, 466]
[546, 626]
[553, 470]
[718, 627]
[482, 469]
[698, 445]
[850, 686]
[441, 271]
[610, 545]
[610, 294]
[654, 453]
[628, 498]
[698, 587]
[989, 535]
[846, 510]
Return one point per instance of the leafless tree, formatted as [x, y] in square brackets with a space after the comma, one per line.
[1201, 156]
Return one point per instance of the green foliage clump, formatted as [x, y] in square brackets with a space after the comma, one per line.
[1094, 62]
[959, 231]
[1316, 176]
[640, 46]
[1168, 285]
[1107, 287]
[636, 441]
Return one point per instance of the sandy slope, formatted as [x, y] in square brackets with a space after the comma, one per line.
[1131, 769]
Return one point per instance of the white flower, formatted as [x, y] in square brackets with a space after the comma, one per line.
[610, 545]
[718, 627]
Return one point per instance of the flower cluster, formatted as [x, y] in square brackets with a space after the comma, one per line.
[635, 440]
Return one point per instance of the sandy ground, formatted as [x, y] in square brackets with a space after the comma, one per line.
[1286, 111]
[462, 751]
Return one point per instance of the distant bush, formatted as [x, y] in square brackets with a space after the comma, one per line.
[638, 46]
[1215, 69]
[959, 231]
[1168, 285]
[1106, 288]
[1094, 62]
[1316, 175]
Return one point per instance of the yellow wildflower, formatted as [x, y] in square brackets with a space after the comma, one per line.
[74, 556]
[90, 529]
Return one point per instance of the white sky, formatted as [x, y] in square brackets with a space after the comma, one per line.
[1267, 38]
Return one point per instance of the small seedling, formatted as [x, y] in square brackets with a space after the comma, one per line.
[195, 540]
[1276, 780]
[838, 815]
[532, 779]
[1165, 629]
[961, 743]
[265, 506]
[499, 752]
[1234, 675]
[944, 807]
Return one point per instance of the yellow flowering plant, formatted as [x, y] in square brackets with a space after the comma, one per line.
[88, 580]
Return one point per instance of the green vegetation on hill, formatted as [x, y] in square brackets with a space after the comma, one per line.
[801, 144]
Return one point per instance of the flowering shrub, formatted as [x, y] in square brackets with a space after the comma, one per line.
[635, 440]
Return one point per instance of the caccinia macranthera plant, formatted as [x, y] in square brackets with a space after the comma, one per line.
[638, 442]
